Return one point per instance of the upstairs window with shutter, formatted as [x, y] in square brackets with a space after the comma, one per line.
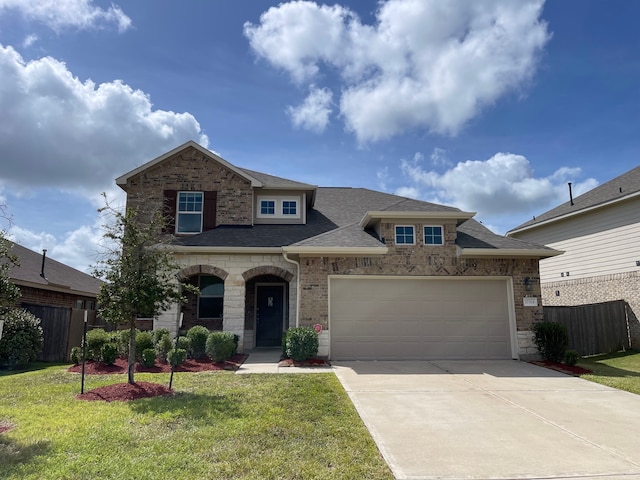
[189, 213]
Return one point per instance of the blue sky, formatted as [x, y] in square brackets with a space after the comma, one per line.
[489, 106]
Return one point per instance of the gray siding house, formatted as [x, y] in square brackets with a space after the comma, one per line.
[380, 276]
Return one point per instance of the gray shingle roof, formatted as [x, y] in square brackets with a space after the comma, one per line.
[617, 189]
[57, 274]
[472, 234]
[271, 181]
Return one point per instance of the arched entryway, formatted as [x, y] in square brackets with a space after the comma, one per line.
[267, 304]
[206, 309]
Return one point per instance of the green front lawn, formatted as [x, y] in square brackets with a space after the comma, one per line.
[217, 425]
[619, 370]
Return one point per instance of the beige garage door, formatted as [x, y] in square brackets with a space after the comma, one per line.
[418, 318]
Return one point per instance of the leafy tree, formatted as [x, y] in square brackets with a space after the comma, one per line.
[138, 270]
[9, 292]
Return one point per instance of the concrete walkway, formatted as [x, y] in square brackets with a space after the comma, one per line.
[494, 420]
[265, 360]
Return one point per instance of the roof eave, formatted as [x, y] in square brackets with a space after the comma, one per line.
[508, 252]
[335, 251]
[183, 249]
[54, 288]
[121, 181]
[370, 216]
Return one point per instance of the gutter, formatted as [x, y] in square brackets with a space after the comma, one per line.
[508, 252]
[297, 264]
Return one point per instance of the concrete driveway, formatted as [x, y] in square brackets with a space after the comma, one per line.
[494, 420]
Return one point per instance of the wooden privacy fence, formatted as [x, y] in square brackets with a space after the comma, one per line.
[62, 329]
[594, 328]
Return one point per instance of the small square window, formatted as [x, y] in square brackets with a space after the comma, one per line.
[289, 207]
[267, 207]
[433, 235]
[405, 235]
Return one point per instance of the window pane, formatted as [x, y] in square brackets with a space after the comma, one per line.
[210, 307]
[190, 202]
[211, 286]
[189, 223]
[433, 236]
[289, 207]
[268, 207]
[404, 236]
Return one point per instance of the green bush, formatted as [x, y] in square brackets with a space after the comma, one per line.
[220, 346]
[144, 341]
[149, 357]
[76, 355]
[109, 353]
[551, 339]
[184, 343]
[159, 333]
[163, 346]
[198, 336]
[177, 357]
[21, 340]
[301, 343]
[96, 338]
[571, 357]
[123, 337]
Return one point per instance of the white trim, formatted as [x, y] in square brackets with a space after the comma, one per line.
[513, 339]
[278, 207]
[459, 216]
[122, 180]
[206, 249]
[508, 252]
[178, 212]
[395, 235]
[337, 251]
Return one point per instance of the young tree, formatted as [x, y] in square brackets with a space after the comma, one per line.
[9, 292]
[139, 272]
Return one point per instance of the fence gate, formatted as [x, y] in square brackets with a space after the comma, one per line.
[594, 328]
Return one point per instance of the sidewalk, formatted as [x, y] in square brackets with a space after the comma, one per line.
[265, 360]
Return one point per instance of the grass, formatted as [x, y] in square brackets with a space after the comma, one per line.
[217, 425]
[619, 370]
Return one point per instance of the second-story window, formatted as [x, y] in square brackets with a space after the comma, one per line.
[405, 235]
[267, 207]
[433, 235]
[289, 207]
[189, 212]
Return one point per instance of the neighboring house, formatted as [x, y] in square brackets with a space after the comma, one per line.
[599, 232]
[44, 281]
[383, 276]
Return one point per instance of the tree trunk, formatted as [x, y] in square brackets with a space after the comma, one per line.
[132, 350]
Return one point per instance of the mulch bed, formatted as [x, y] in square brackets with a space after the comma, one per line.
[189, 365]
[561, 367]
[123, 392]
[312, 362]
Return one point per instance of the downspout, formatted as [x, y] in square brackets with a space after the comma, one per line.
[297, 264]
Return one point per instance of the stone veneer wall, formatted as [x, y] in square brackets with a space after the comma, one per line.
[603, 288]
[192, 171]
[234, 269]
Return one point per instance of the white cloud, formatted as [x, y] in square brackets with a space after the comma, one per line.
[425, 64]
[313, 113]
[61, 14]
[77, 135]
[505, 184]
[29, 40]
[383, 178]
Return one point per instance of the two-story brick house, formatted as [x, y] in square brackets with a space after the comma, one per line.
[383, 276]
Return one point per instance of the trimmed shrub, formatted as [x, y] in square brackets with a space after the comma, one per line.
[149, 357]
[109, 353]
[76, 355]
[159, 333]
[184, 343]
[123, 342]
[96, 338]
[163, 346]
[198, 336]
[571, 357]
[21, 340]
[220, 346]
[552, 339]
[144, 341]
[177, 357]
[301, 343]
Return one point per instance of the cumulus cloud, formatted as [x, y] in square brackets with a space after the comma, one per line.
[313, 113]
[61, 14]
[424, 64]
[78, 135]
[505, 184]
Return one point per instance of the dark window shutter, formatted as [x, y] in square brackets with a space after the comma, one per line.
[170, 199]
[209, 211]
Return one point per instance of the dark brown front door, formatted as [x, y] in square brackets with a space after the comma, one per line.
[269, 315]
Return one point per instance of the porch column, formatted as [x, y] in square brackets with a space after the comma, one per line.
[233, 311]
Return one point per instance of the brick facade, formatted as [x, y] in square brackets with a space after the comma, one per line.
[603, 288]
[191, 170]
[52, 298]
